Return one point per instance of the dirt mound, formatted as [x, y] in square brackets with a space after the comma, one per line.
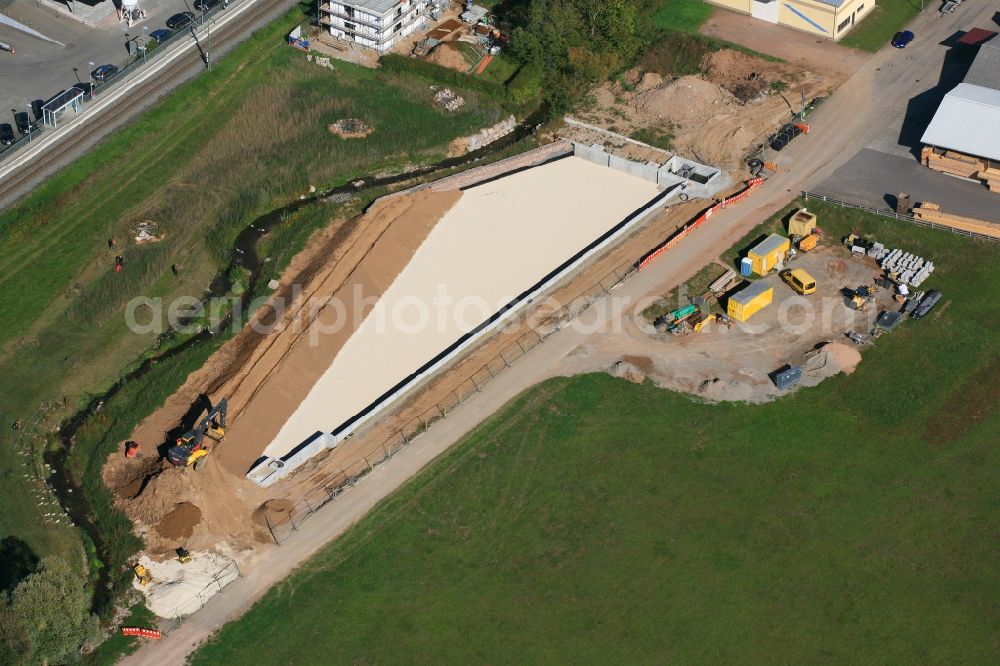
[846, 357]
[447, 55]
[179, 523]
[717, 390]
[128, 480]
[350, 128]
[742, 75]
[831, 359]
[628, 372]
[272, 511]
[158, 494]
[688, 99]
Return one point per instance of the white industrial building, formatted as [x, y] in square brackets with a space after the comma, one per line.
[376, 24]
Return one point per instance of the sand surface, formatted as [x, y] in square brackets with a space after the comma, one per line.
[399, 226]
[497, 241]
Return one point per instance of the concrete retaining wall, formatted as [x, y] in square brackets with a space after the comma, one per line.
[646, 171]
[267, 470]
[594, 153]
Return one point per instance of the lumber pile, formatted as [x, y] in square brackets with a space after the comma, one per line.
[959, 164]
[990, 176]
[931, 212]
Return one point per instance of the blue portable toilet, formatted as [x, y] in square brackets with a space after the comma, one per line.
[746, 267]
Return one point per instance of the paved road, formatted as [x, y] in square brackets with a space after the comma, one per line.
[77, 133]
[843, 126]
[42, 68]
[889, 164]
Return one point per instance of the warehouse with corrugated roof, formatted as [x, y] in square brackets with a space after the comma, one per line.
[963, 138]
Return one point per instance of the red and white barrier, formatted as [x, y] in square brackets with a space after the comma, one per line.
[690, 226]
[144, 633]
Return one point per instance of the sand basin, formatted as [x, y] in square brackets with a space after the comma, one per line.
[497, 241]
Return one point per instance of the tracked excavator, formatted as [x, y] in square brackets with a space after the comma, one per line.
[192, 447]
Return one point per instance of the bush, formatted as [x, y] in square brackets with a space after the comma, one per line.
[677, 54]
[526, 84]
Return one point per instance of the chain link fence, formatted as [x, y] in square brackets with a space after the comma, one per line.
[894, 215]
[225, 575]
[334, 484]
[131, 64]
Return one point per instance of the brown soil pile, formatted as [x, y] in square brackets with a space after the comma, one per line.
[447, 55]
[846, 357]
[740, 74]
[272, 511]
[718, 117]
[145, 488]
[689, 99]
[179, 523]
[350, 128]
[266, 393]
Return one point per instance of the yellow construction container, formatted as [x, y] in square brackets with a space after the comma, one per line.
[768, 253]
[802, 223]
[749, 301]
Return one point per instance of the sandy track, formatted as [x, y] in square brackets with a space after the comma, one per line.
[841, 127]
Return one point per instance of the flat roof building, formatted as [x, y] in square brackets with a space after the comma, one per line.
[827, 18]
[376, 24]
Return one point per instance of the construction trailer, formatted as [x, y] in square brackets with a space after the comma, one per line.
[375, 24]
[749, 301]
[825, 18]
[769, 253]
[801, 223]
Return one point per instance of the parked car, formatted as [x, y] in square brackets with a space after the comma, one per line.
[204, 5]
[104, 72]
[7, 134]
[161, 35]
[22, 121]
[901, 39]
[86, 87]
[36, 108]
[178, 21]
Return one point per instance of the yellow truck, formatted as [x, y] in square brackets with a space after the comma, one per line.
[799, 280]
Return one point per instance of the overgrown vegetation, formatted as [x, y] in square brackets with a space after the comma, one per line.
[594, 520]
[661, 138]
[232, 144]
[47, 619]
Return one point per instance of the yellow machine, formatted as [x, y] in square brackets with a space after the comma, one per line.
[183, 555]
[141, 574]
[191, 447]
[702, 323]
[808, 243]
[799, 280]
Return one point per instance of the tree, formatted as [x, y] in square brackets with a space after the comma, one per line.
[576, 42]
[48, 619]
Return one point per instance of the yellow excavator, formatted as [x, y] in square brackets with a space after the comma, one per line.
[192, 447]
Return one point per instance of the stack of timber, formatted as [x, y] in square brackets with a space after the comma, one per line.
[931, 212]
[959, 164]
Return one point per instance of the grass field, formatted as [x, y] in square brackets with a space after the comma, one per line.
[596, 521]
[232, 144]
[888, 17]
[685, 15]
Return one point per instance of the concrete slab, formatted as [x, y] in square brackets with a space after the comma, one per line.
[874, 178]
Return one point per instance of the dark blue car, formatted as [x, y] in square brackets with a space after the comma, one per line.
[901, 39]
[161, 35]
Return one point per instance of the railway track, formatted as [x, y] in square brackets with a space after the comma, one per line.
[25, 171]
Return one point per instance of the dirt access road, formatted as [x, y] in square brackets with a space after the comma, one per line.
[841, 127]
